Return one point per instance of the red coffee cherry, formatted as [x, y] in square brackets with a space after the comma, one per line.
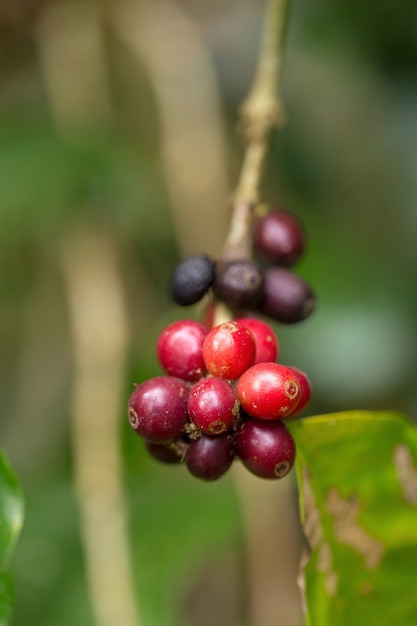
[213, 405]
[208, 458]
[157, 408]
[305, 390]
[265, 338]
[287, 298]
[228, 350]
[267, 449]
[268, 391]
[180, 349]
[278, 238]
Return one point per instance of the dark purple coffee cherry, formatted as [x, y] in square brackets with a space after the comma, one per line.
[287, 298]
[192, 279]
[208, 458]
[170, 454]
[266, 448]
[238, 283]
[278, 238]
[157, 408]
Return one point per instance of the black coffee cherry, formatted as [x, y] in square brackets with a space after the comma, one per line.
[208, 458]
[192, 279]
[278, 238]
[287, 298]
[239, 283]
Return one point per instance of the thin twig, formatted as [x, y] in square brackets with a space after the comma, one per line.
[261, 113]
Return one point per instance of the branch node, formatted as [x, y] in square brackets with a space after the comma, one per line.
[259, 116]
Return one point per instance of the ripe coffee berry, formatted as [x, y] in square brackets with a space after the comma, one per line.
[287, 298]
[305, 390]
[157, 408]
[238, 283]
[213, 405]
[265, 338]
[208, 458]
[279, 238]
[165, 453]
[228, 350]
[267, 449]
[268, 391]
[192, 278]
[179, 349]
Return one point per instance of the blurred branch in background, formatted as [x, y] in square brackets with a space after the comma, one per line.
[72, 59]
[71, 48]
[100, 338]
[165, 40]
[272, 536]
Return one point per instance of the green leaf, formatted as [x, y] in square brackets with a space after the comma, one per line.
[11, 516]
[357, 474]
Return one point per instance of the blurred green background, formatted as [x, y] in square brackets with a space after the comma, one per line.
[118, 155]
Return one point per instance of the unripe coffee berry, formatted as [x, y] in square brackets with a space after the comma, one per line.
[180, 349]
[279, 238]
[228, 350]
[192, 279]
[238, 283]
[157, 408]
[287, 298]
[268, 391]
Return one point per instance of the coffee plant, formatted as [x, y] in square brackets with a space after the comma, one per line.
[169, 511]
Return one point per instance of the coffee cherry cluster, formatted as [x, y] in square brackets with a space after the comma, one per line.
[223, 395]
[266, 285]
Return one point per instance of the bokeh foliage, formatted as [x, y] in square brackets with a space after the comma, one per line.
[345, 163]
[11, 519]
